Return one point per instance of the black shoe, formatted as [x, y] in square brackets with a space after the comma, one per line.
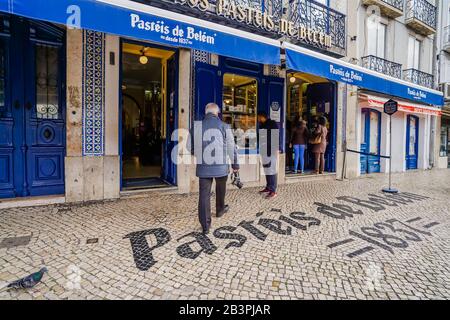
[225, 210]
[206, 231]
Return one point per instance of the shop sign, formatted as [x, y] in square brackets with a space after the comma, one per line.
[261, 19]
[334, 69]
[126, 19]
[390, 107]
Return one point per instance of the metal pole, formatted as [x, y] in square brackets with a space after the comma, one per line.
[390, 151]
[390, 190]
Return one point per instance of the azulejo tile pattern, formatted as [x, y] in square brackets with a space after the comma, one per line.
[93, 93]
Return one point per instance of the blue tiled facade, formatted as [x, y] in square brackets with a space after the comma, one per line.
[93, 93]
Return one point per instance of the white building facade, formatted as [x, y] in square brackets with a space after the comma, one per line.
[396, 38]
[443, 74]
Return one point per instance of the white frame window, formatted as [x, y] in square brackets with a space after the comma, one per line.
[376, 38]
[414, 53]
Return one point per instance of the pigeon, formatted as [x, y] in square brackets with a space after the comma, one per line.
[29, 281]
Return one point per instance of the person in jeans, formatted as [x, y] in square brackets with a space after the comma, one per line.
[319, 149]
[212, 143]
[268, 147]
[299, 140]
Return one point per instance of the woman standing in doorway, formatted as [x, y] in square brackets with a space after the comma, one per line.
[299, 140]
[320, 145]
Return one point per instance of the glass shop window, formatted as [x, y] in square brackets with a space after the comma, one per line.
[412, 136]
[374, 126]
[445, 139]
[239, 108]
[47, 95]
[2, 75]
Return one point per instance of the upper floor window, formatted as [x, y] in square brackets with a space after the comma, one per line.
[414, 46]
[376, 38]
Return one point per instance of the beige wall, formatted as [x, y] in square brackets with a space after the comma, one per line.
[90, 178]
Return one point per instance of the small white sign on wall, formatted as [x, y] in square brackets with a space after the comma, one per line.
[275, 111]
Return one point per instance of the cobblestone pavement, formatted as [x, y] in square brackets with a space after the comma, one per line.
[317, 240]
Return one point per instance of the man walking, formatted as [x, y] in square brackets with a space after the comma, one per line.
[268, 148]
[213, 144]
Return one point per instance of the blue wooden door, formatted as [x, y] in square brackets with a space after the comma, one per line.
[412, 137]
[370, 140]
[169, 166]
[32, 113]
[208, 88]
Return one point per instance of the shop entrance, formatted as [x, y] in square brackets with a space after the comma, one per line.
[310, 97]
[32, 108]
[412, 134]
[149, 115]
[370, 140]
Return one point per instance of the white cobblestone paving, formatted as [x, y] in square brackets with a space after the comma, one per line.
[296, 265]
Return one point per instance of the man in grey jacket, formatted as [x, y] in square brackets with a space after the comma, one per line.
[212, 144]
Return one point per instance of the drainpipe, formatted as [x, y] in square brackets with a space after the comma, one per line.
[436, 73]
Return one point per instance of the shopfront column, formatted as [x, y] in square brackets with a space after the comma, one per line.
[74, 177]
[92, 160]
[185, 171]
[351, 132]
[111, 159]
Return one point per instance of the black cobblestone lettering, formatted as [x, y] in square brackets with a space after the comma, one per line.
[205, 243]
[142, 253]
[275, 226]
[248, 225]
[220, 234]
[332, 211]
[363, 203]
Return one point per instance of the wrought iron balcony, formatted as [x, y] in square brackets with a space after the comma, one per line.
[419, 77]
[421, 16]
[446, 39]
[381, 65]
[301, 13]
[390, 8]
[318, 17]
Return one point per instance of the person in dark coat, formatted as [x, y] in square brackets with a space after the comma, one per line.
[299, 141]
[269, 134]
[212, 143]
[319, 149]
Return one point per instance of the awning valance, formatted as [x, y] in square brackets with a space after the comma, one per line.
[304, 60]
[374, 101]
[139, 21]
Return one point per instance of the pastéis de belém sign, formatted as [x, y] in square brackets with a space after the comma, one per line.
[261, 19]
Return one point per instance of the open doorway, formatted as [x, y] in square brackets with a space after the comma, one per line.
[309, 98]
[148, 111]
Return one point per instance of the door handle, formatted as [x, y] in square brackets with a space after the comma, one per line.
[17, 104]
[28, 105]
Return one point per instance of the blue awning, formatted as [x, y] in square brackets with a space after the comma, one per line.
[136, 20]
[300, 59]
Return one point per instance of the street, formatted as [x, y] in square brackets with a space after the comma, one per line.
[316, 240]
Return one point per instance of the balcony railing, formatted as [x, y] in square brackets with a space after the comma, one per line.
[418, 77]
[307, 13]
[397, 4]
[446, 39]
[390, 8]
[321, 18]
[422, 11]
[381, 65]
